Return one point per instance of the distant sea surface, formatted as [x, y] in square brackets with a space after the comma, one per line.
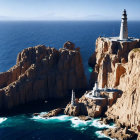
[17, 35]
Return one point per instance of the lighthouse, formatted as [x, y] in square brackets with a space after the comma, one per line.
[73, 99]
[124, 28]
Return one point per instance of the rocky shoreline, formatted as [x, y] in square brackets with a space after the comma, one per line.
[43, 73]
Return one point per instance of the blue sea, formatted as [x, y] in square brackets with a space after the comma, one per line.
[17, 35]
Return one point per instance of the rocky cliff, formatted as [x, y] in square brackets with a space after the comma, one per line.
[126, 111]
[40, 73]
[117, 64]
[108, 60]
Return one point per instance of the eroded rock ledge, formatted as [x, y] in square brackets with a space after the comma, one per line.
[40, 73]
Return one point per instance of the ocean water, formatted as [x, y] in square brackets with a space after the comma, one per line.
[26, 127]
[17, 35]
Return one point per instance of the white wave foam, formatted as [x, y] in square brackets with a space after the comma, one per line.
[80, 124]
[101, 135]
[97, 124]
[76, 122]
[2, 120]
[61, 118]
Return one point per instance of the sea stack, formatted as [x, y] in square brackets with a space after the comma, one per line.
[124, 28]
[40, 73]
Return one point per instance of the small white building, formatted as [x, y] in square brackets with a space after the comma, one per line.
[95, 91]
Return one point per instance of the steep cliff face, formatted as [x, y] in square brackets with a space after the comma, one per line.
[118, 65]
[109, 61]
[40, 73]
[127, 109]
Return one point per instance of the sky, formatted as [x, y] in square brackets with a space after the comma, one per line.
[68, 9]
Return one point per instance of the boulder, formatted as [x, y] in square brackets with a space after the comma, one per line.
[72, 110]
[84, 118]
[52, 113]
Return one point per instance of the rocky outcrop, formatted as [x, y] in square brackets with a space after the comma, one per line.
[108, 61]
[92, 107]
[118, 65]
[85, 118]
[126, 110]
[72, 110]
[52, 113]
[41, 72]
[120, 133]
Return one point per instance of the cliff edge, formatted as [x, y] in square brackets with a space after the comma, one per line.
[126, 111]
[108, 61]
[40, 73]
[117, 64]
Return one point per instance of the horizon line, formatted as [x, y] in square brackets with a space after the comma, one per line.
[65, 20]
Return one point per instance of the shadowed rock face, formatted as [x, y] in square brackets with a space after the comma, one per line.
[40, 73]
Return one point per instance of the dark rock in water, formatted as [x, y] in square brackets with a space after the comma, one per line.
[84, 118]
[36, 114]
[52, 113]
[106, 120]
[40, 73]
[120, 134]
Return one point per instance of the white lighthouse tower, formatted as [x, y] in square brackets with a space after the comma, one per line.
[124, 28]
[73, 103]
